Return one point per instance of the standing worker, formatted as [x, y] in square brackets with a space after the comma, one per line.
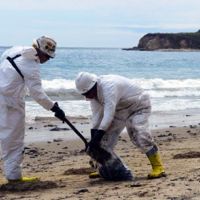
[19, 70]
[116, 102]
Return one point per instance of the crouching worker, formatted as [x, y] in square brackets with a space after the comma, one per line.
[116, 102]
[19, 69]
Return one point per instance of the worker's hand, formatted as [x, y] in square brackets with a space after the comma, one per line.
[96, 136]
[93, 132]
[94, 149]
[59, 113]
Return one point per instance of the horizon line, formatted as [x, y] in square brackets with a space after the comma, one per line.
[70, 47]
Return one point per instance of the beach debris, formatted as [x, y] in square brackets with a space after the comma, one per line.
[81, 191]
[193, 126]
[79, 171]
[162, 135]
[16, 187]
[134, 184]
[142, 194]
[50, 125]
[31, 151]
[190, 154]
[59, 129]
[58, 140]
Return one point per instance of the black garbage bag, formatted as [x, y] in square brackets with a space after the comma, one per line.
[99, 154]
[114, 170]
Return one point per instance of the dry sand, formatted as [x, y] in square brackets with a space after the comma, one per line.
[63, 169]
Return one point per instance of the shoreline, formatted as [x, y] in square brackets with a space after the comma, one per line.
[50, 128]
[161, 50]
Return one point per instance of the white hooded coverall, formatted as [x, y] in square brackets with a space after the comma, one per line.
[120, 103]
[12, 104]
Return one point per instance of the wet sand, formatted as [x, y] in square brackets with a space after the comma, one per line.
[63, 167]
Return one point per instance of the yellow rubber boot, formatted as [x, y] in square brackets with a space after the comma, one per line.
[25, 180]
[94, 175]
[157, 167]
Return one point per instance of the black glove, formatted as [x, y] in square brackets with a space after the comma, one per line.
[59, 113]
[93, 131]
[96, 136]
[95, 150]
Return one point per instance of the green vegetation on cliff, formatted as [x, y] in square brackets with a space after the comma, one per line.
[156, 41]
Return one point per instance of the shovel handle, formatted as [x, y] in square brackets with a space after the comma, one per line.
[77, 132]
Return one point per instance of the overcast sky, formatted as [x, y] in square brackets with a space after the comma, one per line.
[94, 23]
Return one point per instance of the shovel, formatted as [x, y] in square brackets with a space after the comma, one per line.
[98, 153]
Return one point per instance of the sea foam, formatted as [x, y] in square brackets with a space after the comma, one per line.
[157, 88]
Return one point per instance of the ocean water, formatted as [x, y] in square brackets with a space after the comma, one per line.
[171, 78]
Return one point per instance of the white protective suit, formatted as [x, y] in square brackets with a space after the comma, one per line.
[12, 104]
[120, 103]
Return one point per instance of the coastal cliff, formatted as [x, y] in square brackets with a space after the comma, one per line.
[159, 41]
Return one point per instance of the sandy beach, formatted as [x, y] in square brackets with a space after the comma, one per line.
[63, 167]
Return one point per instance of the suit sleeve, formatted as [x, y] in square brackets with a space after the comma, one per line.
[97, 113]
[33, 83]
[110, 95]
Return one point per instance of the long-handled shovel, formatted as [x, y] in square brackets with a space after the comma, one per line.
[99, 154]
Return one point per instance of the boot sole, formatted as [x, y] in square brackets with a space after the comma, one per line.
[163, 174]
[93, 177]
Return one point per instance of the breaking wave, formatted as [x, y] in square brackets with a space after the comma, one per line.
[157, 88]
